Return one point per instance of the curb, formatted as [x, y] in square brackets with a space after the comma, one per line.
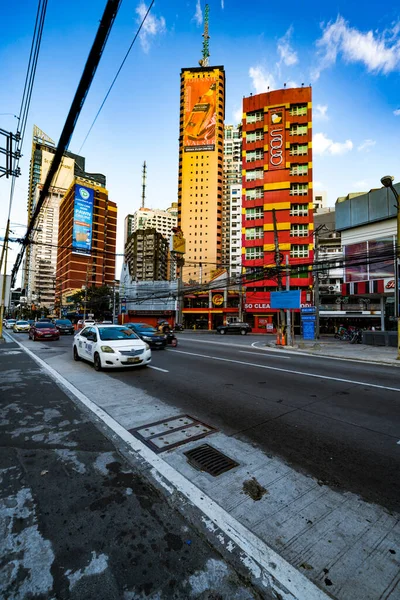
[309, 352]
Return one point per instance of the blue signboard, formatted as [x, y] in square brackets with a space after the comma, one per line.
[307, 309]
[286, 299]
[308, 330]
[83, 220]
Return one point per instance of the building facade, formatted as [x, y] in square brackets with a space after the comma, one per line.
[147, 254]
[235, 230]
[277, 199]
[200, 180]
[87, 237]
[232, 176]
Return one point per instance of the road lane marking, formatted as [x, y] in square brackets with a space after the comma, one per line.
[263, 354]
[273, 572]
[239, 362]
[157, 368]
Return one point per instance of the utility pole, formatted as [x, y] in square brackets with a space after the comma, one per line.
[288, 313]
[278, 268]
[4, 286]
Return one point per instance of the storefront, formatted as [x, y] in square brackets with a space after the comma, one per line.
[264, 319]
[207, 310]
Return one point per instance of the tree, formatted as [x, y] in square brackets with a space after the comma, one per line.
[98, 300]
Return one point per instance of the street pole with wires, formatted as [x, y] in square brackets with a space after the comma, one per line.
[278, 261]
[4, 285]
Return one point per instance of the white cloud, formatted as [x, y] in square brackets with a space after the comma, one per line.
[366, 145]
[292, 84]
[222, 4]
[237, 116]
[286, 53]
[198, 15]
[151, 27]
[261, 79]
[379, 52]
[323, 145]
[396, 112]
[320, 112]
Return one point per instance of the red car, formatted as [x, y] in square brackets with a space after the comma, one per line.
[43, 331]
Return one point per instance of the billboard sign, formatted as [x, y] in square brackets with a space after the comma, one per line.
[199, 114]
[289, 299]
[83, 220]
[276, 139]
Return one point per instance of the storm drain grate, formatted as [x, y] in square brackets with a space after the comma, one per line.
[208, 459]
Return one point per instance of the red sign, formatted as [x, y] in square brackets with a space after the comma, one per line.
[276, 139]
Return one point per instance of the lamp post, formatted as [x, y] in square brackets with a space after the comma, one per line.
[387, 181]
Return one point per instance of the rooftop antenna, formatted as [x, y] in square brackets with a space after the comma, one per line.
[206, 46]
[144, 184]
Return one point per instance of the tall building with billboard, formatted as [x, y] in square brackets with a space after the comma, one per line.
[277, 197]
[39, 271]
[87, 235]
[201, 144]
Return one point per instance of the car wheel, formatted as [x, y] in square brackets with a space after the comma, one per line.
[243, 332]
[76, 355]
[97, 362]
[222, 331]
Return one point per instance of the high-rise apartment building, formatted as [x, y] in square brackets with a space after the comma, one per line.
[232, 177]
[277, 188]
[39, 269]
[146, 254]
[201, 146]
[235, 230]
[147, 218]
[87, 236]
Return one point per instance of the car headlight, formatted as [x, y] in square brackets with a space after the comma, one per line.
[147, 339]
[147, 347]
[107, 349]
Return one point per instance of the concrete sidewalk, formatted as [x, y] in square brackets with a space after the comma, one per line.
[80, 522]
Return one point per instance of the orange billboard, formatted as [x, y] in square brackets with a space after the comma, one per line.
[200, 117]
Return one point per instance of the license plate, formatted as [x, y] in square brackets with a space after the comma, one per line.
[133, 359]
[48, 335]
[158, 343]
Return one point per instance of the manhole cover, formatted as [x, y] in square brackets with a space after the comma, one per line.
[170, 433]
[208, 459]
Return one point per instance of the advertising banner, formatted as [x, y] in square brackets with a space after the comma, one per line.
[276, 139]
[289, 299]
[83, 220]
[200, 118]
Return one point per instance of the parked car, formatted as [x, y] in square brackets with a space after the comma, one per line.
[21, 326]
[111, 346]
[45, 320]
[242, 328]
[64, 326]
[10, 323]
[43, 330]
[149, 334]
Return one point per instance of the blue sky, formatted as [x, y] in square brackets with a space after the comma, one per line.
[348, 51]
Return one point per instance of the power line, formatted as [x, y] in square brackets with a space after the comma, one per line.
[106, 23]
[116, 76]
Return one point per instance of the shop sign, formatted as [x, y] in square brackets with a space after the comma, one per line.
[257, 306]
[390, 284]
[218, 299]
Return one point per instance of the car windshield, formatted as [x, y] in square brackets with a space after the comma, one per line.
[144, 327]
[63, 322]
[22, 323]
[116, 333]
[43, 325]
[11, 321]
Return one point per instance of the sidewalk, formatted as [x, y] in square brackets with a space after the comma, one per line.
[77, 521]
[329, 346]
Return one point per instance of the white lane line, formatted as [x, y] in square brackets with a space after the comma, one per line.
[157, 368]
[248, 364]
[274, 571]
[263, 354]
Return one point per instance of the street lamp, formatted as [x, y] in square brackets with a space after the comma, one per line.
[387, 181]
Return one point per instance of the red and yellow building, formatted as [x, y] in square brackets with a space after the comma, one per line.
[277, 185]
[87, 235]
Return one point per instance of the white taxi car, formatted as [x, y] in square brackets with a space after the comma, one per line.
[110, 346]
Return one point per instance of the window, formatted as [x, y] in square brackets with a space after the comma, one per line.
[298, 149]
[255, 136]
[299, 210]
[254, 233]
[254, 213]
[253, 117]
[298, 110]
[298, 130]
[299, 169]
[298, 189]
[254, 252]
[298, 230]
[299, 251]
[257, 192]
[254, 174]
[254, 155]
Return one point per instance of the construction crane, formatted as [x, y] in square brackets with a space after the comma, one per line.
[206, 46]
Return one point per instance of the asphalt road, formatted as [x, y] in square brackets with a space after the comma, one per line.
[336, 420]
